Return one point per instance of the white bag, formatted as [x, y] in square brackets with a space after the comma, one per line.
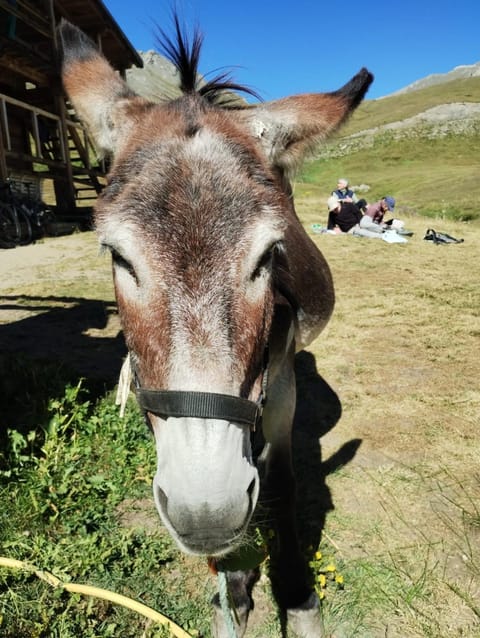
[392, 237]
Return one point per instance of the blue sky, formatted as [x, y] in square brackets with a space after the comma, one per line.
[312, 45]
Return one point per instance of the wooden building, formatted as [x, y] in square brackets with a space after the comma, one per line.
[42, 144]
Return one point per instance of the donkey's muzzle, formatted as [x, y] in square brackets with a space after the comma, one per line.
[206, 485]
[203, 530]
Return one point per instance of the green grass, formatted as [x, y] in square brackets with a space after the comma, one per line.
[356, 611]
[435, 177]
[373, 113]
[64, 483]
[61, 487]
[432, 176]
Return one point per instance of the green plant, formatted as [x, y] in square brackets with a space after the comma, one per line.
[62, 513]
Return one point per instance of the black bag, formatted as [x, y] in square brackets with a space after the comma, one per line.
[440, 238]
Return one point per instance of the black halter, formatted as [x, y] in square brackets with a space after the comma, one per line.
[204, 405]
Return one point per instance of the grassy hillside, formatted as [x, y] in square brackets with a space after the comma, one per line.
[431, 176]
[398, 107]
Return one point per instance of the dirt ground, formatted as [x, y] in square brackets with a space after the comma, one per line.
[388, 415]
[57, 303]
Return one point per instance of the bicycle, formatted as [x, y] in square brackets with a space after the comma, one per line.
[39, 214]
[22, 218]
[9, 232]
[14, 223]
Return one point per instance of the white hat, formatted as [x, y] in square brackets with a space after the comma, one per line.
[332, 203]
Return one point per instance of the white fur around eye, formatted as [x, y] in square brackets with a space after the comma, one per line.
[125, 280]
[257, 265]
[263, 236]
[132, 272]
[256, 288]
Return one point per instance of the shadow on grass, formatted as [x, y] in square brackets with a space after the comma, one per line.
[60, 345]
[54, 345]
[318, 411]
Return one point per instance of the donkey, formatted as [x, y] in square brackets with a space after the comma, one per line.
[217, 285]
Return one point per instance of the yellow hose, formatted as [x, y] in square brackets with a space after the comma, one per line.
[97, 592]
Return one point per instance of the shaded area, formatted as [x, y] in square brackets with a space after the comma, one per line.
[60, 340]
[318, 410]
[65, 330]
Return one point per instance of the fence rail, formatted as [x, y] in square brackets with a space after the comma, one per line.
[42, 130]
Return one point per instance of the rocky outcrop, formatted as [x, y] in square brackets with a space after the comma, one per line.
[158, 80]
[463, 71]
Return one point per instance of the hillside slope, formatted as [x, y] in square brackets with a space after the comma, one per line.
[462, 71]
[374, 113]
[159, 80]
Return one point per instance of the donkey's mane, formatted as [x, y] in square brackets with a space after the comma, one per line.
[185, 56]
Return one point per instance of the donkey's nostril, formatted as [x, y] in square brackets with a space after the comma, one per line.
[252, 492]
[251, 488]
[160, 498]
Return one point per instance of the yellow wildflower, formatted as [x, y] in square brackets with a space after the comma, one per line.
[322, 580]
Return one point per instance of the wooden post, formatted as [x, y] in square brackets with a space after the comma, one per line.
[63, 186]
[3, 160]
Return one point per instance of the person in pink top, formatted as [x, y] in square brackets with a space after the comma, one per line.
[377, 212]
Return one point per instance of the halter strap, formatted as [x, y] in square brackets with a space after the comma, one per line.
[202, 405]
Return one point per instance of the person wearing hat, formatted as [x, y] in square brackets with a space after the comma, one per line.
[377, 212]
[345, 217]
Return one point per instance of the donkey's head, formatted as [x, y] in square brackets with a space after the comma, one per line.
[195, 215]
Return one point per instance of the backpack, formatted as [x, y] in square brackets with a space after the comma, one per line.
[440, 238]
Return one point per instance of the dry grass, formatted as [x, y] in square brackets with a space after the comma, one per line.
[402, 353]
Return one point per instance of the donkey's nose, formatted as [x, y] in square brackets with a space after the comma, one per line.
[206, 485]
[207, 528]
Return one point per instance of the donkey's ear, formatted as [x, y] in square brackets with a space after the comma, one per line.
[100, 97]
[291, 128]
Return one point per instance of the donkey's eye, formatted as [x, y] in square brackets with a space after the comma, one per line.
[120, 262]
[264, 263]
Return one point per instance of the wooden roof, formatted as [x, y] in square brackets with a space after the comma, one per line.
[28, 39]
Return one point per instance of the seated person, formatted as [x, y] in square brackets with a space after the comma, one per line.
[377, 212]
[345, 217]
[345, 194]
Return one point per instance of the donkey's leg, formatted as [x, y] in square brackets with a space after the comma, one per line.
[291, 578]
[240, 585]
[289, 573]
[305, 621]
